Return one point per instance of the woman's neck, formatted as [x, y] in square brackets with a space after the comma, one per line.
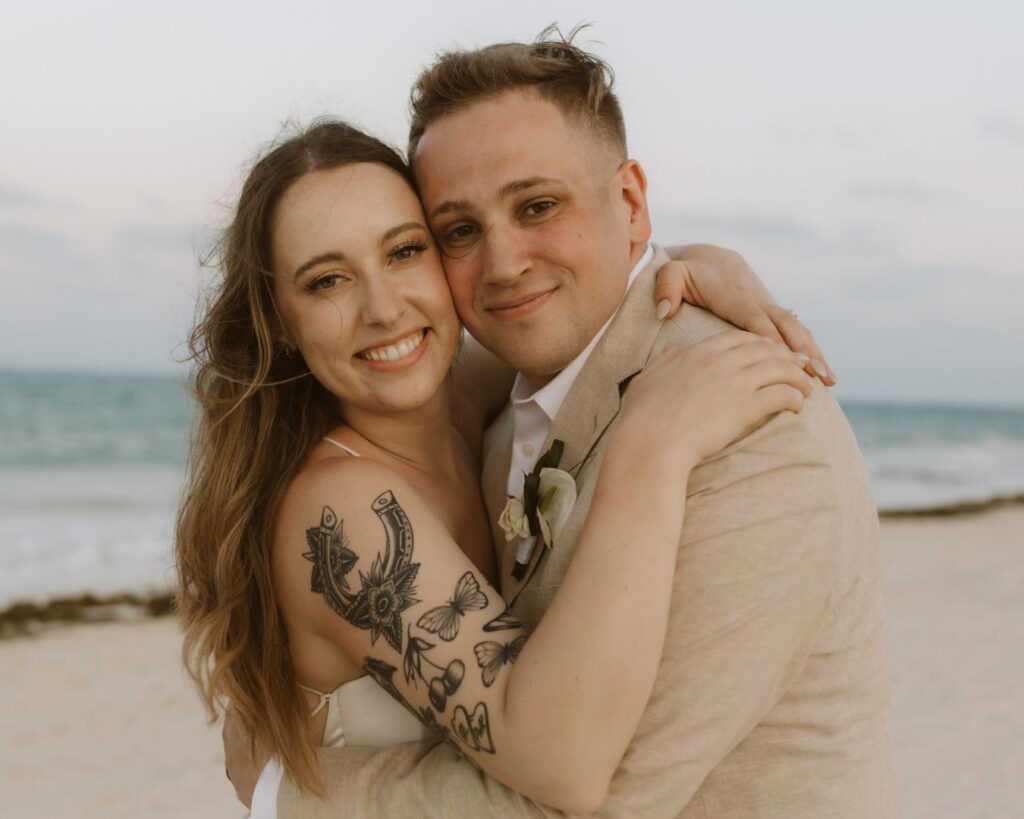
[422, 438]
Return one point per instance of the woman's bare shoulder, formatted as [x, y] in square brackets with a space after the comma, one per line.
[330, 494]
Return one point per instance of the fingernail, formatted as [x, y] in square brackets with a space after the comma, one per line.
[663, 307]
[802, 357]
[819, 368]
[831, 374]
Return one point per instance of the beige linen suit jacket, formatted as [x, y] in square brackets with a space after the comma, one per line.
[772, 695]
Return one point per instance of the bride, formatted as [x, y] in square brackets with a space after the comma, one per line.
[337, 574]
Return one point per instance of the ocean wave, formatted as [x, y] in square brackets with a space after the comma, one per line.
[937, 477]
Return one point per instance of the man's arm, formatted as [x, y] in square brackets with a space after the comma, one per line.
[754, 578]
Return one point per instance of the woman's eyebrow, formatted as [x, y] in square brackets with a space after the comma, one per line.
[391, 233]
[323, 257]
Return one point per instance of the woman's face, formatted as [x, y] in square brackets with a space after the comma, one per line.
[361, 288]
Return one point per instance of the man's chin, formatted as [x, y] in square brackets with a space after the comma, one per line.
[537, 360]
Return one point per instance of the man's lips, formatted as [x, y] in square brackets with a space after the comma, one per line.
[519, 306]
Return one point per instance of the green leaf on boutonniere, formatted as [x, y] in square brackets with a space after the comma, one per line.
[550, 459]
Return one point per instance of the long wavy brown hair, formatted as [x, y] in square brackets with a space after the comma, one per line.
[260, 413]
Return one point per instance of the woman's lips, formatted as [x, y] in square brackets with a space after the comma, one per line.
[408, 351]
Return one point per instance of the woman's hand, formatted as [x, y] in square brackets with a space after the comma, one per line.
[702, 398]
[721, 281]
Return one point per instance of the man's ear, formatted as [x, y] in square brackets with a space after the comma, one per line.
[633, 189]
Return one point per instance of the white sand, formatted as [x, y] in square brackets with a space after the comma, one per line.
[954, 590]
[98, 720]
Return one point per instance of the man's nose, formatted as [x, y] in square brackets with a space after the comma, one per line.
[506, 256]
[384, 300]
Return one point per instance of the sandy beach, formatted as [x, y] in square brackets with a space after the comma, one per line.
[99, 721]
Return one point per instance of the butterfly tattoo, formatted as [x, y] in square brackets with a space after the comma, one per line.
[492, 656]
[444, 620]
[503, 621]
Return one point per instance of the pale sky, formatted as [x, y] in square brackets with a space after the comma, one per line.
[867, 158]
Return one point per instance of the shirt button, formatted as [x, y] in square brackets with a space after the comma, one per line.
[528, 450]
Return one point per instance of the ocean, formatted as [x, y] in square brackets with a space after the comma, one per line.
[91, 469]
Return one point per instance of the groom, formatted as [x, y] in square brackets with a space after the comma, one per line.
[772, 695]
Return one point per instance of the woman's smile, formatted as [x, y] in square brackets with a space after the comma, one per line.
[396, 355]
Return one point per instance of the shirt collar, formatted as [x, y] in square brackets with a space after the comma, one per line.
[551, 396]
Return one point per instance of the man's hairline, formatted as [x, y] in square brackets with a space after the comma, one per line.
[581, 121]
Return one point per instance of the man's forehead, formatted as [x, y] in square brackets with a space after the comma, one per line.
[496, 148]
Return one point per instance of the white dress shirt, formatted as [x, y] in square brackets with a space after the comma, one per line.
[533, 413]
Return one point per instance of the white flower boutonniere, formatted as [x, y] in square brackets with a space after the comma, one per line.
[513, 520]
[557, 497]
[549, 493]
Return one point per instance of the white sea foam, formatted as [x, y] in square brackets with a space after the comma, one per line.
[936, 476]
[90, 475]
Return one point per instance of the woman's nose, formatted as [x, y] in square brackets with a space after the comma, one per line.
[384, 303]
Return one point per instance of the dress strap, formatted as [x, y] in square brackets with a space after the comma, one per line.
[340, 445]
[324, 699]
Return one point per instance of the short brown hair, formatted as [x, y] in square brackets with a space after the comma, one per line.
[576, 81]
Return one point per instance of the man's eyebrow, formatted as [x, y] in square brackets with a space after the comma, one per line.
[449, 205]
[518, 185]
[515, 186]
[323, 257]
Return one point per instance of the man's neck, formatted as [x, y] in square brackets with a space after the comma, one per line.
[528, 383]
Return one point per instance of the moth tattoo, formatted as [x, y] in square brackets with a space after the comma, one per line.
[386, 591]
[444, 620]
[492, 656]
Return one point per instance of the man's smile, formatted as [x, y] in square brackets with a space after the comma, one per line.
[519, 306]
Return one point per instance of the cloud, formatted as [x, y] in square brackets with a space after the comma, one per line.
[745, 224]
[1001, 127]
[130, 238]
[41, 246]
[779, 234]
[895, 191]
[12, 196]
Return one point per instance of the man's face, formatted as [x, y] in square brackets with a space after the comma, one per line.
[539, 222]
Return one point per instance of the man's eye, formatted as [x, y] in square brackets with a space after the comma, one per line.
[460, 233]
[538, 208]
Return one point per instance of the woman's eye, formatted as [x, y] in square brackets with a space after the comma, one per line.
[408, 251]
[324, 282]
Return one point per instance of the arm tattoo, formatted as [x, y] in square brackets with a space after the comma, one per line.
[492, 656]
[387, 591]
[444, 620]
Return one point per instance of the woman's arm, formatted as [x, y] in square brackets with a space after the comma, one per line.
[721, 281]
[359, 554]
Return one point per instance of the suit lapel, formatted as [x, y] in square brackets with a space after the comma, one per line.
[593, 403]
[494, 481]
